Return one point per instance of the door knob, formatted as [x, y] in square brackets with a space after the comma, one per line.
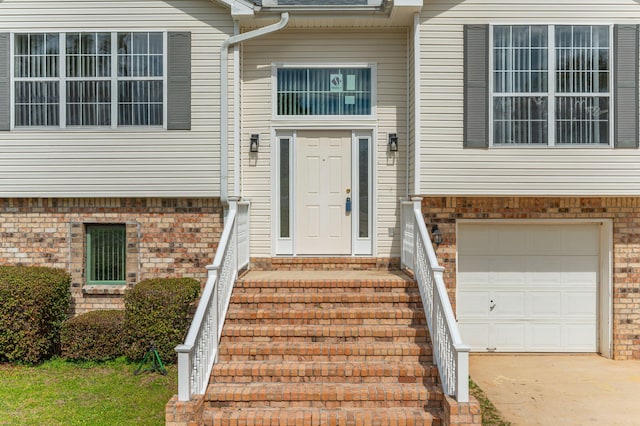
[348, 190]
[492, 306]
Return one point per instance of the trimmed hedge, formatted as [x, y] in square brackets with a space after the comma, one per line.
[93, 336]
[159, 311]
[34, 302]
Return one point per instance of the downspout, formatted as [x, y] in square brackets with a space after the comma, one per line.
[417, 110]
[224, 101]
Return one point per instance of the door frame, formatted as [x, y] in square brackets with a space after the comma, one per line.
[604, 291]
[283, 246]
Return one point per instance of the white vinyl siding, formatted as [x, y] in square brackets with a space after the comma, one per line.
[83, 162]
[448, 168]
[387, 50]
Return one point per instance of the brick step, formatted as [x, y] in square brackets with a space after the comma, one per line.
[405, 316]
[322, 395]
[303, 351]
[318, 416]
[398, 284]
[322, 333]
[327, 300]
[326, 372]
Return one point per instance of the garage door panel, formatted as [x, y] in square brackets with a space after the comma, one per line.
[581, 240]
[542, 242]
[473, 304]
[544, 337]
[544, 304]
[580, 269]
[509, 304]
[475, 269]
[580, 337]
[508, 337]
[580, 304]
[543, 280]
[506, 271]
[541, 270]
[508, 241]
[475, 240]
[475, 335]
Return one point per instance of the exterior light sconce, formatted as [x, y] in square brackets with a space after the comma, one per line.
[393, 142]
[436, 234]
[254, 142]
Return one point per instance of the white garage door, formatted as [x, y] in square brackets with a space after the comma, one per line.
[528, 288]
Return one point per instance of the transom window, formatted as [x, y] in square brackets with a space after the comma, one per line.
[88, 79]
[323, 91]
[551, 85]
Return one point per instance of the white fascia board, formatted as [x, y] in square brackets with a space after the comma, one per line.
[238, 7]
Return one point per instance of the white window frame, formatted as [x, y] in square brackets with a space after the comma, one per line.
[552, 95]
[274, 92]
[63, 79]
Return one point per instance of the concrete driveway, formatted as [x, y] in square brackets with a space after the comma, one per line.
[560, 389]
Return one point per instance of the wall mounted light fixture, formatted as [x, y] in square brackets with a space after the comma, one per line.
[393, 142]
[254, 142]
[436, 234]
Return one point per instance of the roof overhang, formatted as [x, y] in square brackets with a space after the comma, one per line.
[239, 8]
[336, 13]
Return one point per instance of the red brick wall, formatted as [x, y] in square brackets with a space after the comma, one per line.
[623, 211]
[174, 237]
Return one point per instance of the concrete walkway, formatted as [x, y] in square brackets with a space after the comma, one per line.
[563, 390]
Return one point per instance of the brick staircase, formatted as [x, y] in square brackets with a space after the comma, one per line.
[338, 348]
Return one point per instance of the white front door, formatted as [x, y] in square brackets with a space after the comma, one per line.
[323, 183]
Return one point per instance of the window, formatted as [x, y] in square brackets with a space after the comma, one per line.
[324, 91]
[106, 254]
[89, 79]
[551, 85]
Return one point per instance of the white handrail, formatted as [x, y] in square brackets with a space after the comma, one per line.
[450, 354]
[199, 352]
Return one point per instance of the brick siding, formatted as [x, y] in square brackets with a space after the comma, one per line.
[623, 211]
[166, 237]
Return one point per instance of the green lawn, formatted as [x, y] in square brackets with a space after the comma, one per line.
[63, 393]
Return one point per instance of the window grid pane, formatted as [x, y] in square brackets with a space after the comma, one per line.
[324, 91]
[582, 120]
[106, 254]
[520, 120]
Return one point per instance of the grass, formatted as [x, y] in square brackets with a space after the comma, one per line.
[64, 393]
[490, 414]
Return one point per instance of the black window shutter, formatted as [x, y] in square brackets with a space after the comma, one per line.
[5, 103]
[476, 86]
[625, 53]
[179, 81]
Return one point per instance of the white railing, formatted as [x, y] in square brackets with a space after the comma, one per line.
[200, 349]
[450, 355]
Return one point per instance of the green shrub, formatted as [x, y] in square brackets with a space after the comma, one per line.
[94, 336]
[34, 302]
[159, 311]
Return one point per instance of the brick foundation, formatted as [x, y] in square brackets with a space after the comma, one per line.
[623, 211]
[461, 413]
[173, 237]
